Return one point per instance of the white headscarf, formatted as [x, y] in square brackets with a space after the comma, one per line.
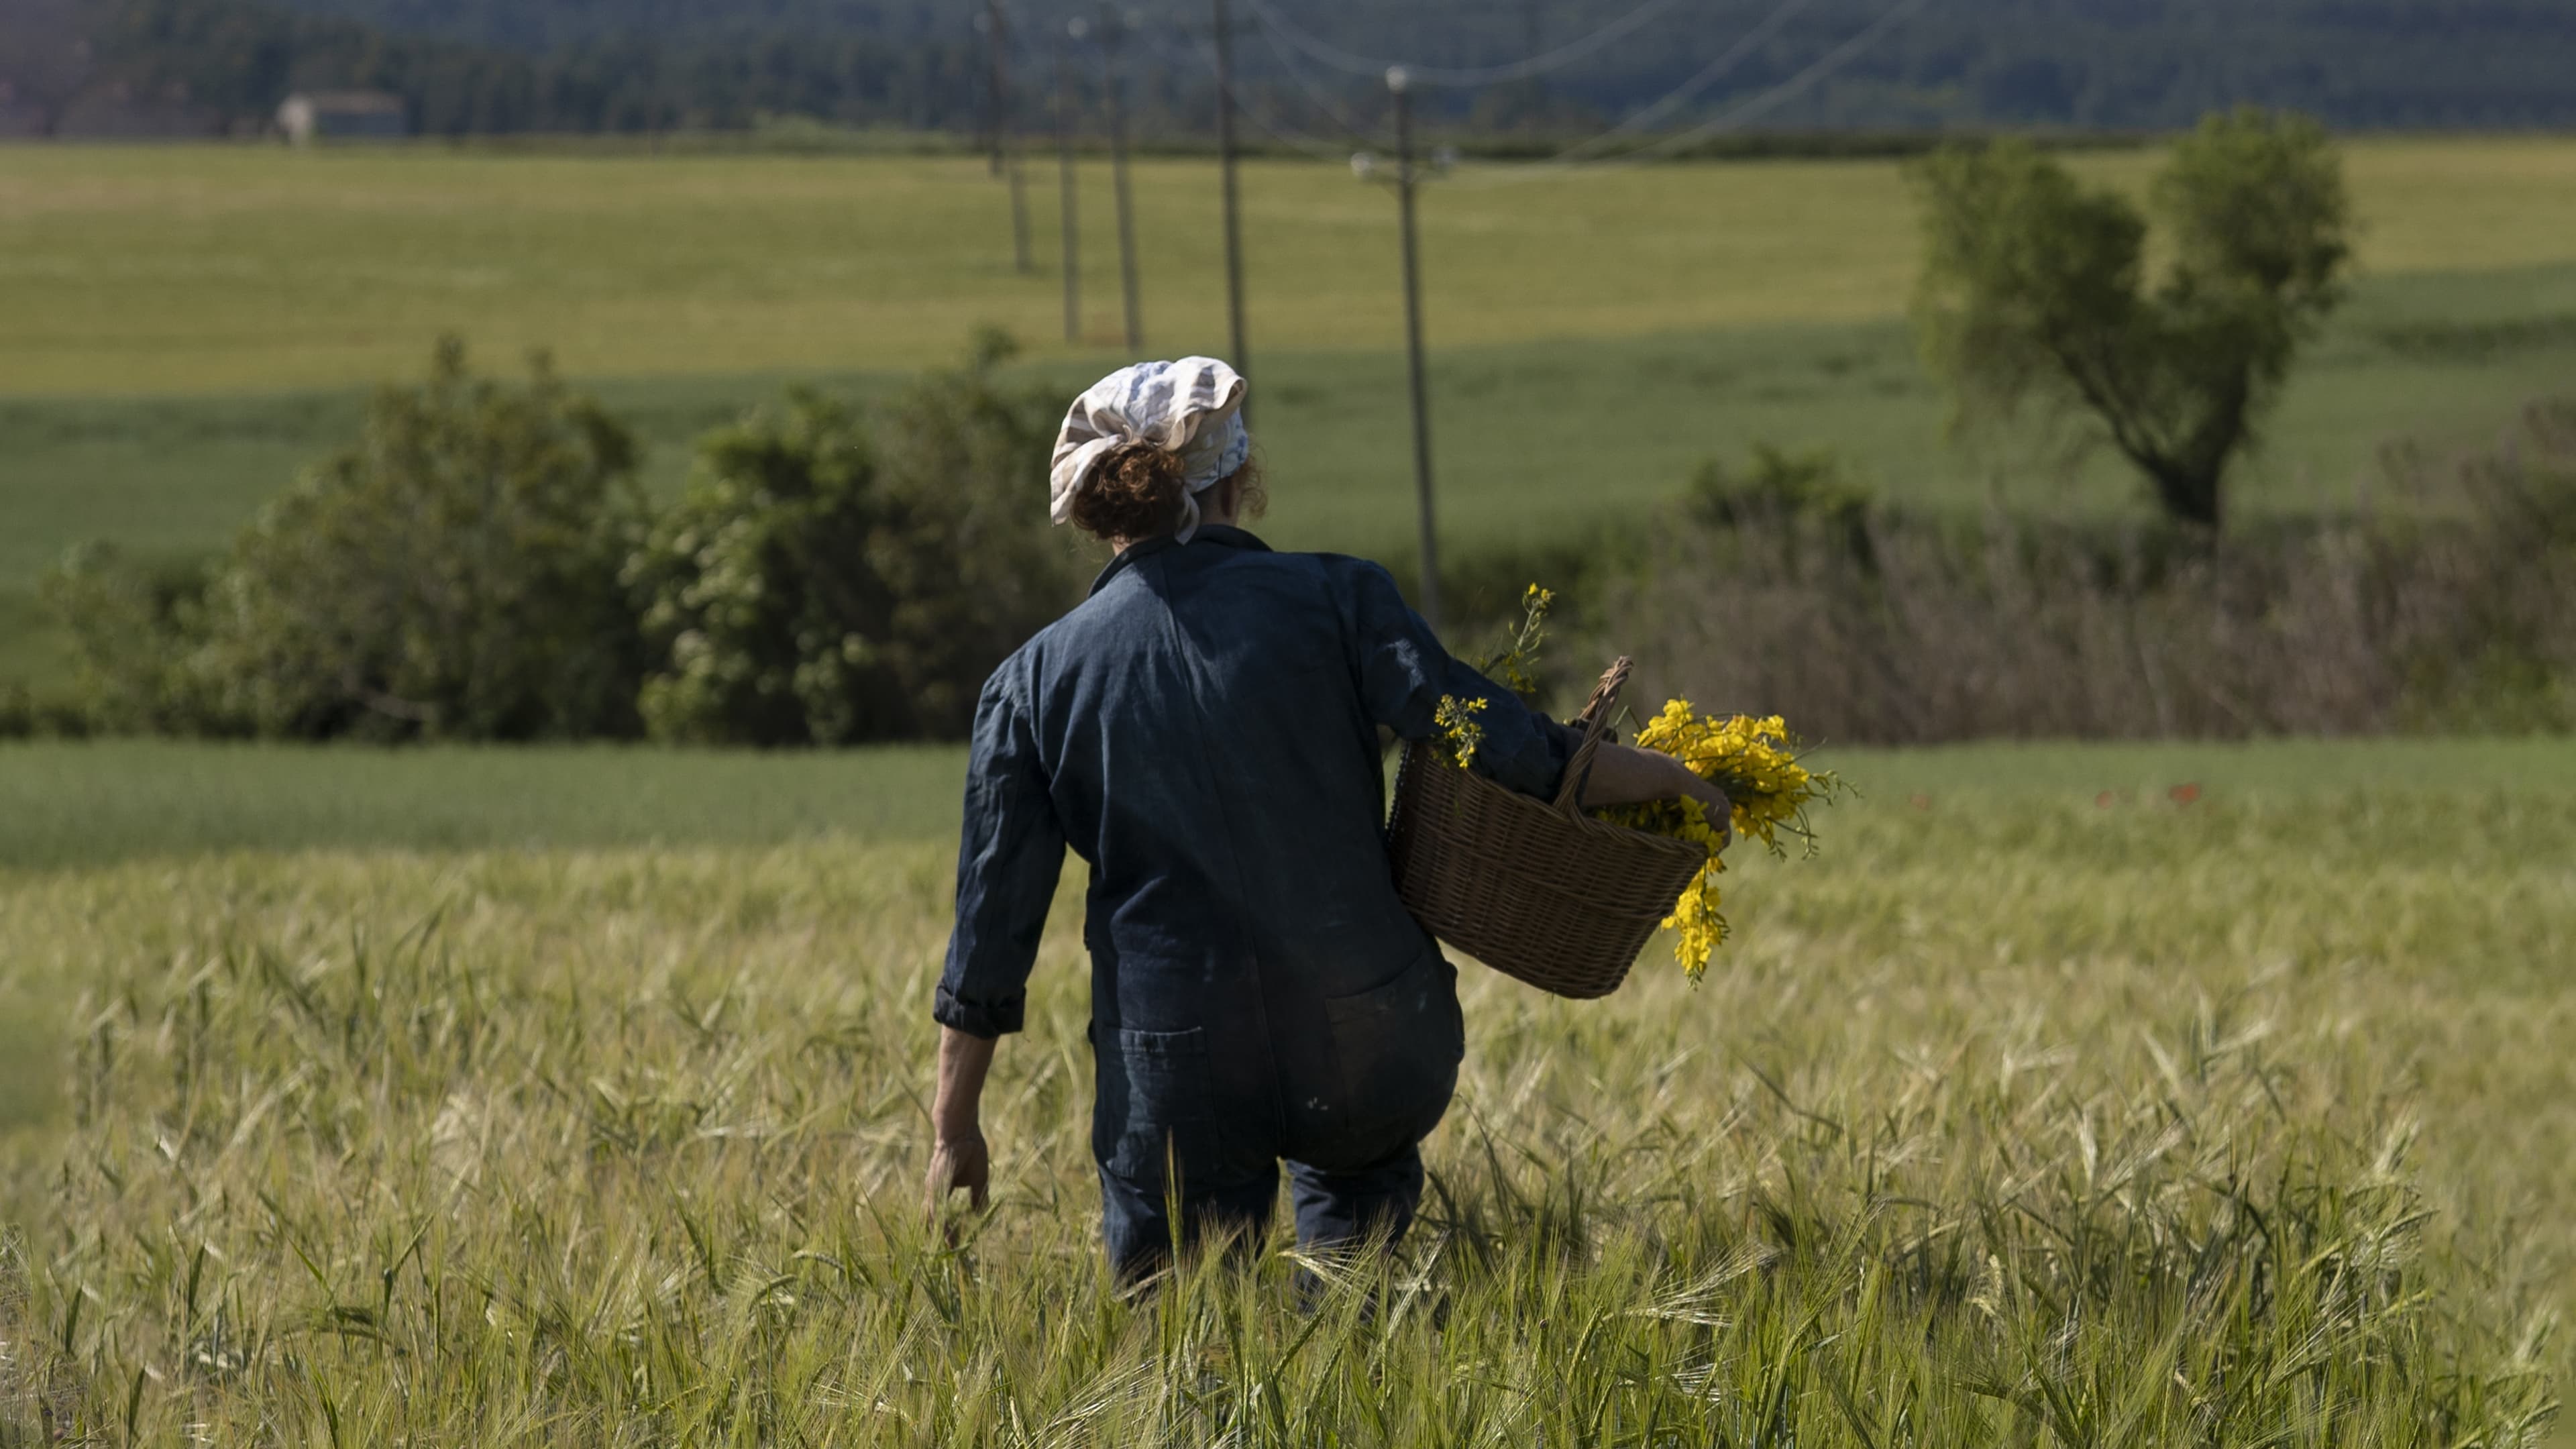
[1192, 407]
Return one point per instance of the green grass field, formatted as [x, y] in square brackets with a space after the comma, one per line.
[1626, 423]
[230, 269]
[2011, 1118]
[1529, 436]
[77, 805]
[188, 326]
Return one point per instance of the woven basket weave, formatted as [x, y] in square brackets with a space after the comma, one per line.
[1538, 891]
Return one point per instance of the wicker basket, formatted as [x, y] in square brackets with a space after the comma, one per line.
[1541, 892]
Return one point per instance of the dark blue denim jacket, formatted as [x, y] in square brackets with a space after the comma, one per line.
[1203, 730]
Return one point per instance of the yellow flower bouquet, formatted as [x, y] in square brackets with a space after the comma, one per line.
[1754, 760]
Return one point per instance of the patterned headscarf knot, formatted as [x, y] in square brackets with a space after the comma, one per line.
[1192, 407]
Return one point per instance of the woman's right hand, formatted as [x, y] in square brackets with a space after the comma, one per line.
[958, 1156]
[1627, 775]
[960, 1163]
[1721, 810]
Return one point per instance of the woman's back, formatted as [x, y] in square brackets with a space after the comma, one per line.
[1201, 724]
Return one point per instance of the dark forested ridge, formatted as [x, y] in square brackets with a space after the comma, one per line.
[477, 66]
[223, 65]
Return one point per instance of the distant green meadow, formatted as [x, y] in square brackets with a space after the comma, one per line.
[189, 326]
[160, 270]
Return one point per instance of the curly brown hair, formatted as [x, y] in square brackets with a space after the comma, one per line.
[1135, 492]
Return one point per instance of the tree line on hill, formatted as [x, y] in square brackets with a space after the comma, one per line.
[2116, 64]
[222, 66]
[503, 66]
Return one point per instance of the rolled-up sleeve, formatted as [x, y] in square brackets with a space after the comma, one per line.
[1008, 861]
[1403, 672]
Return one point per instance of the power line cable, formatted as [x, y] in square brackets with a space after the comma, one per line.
[1574, 159]
[1562, 56]
[1201, 54]
[1673, 100]
[1280, 131]
[1822, 69]
[1763, 101]
[1316, 95]
[1655, 110]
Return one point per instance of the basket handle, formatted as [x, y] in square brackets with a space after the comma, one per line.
[1595, 721]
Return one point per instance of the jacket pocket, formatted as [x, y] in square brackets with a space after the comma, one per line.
[1398, 1046]
[1153, 1105]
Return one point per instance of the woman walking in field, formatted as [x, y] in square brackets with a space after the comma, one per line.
[1203, 731]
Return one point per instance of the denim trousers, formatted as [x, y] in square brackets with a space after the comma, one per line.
[1190, 1127]
[1374, 1205]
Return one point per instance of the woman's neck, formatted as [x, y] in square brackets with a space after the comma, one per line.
[1216, 509]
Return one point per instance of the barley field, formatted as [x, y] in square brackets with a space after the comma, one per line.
[2055, 1103]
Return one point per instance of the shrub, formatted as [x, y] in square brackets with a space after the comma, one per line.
[454, 576]
[825, 583]
[138, 634]
[27, 715]
[2494, 617]
[1928, 633]
[1781, 485]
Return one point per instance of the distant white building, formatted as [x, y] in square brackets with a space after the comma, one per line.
[310, 116]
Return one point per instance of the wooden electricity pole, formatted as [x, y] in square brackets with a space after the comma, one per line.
[1242, 358]
[1006, 156]
[1065, 182]
[1112, 32]
[1396, 84]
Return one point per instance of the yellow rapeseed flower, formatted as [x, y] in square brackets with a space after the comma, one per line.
[1754, 761]
[1459, 726]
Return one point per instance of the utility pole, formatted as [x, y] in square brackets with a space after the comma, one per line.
[986, 26]
[1073, 31]
[1006, 158]
[1112, 32]
[1397, 86]
[1242, 358]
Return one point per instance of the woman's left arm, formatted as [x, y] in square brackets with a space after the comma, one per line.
[1404, 670]
[1009, 855]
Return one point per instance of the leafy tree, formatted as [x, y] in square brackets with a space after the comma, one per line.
[455, 576]
[2035, 292]
[825, 583]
